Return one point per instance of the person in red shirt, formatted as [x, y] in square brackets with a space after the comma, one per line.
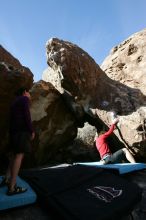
[104, 150]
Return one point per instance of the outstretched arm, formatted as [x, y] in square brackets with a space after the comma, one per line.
[112, 127]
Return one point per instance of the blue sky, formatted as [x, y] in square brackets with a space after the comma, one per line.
[94, 25]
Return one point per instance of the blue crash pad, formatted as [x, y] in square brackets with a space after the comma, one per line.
[7, 202]
[121, 167]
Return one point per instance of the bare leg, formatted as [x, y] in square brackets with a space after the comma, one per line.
[15, 169]
[8, 172]
[128, 155]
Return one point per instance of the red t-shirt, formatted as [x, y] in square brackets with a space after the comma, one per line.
[101, 143]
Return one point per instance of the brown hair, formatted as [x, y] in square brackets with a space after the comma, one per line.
[21, 90]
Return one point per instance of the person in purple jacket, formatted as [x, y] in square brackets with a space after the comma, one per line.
[21, 134]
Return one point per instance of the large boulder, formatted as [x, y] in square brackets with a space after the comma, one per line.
[96, 94]
[54, 124]
[126, 64]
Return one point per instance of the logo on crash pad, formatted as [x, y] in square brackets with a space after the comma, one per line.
[104, 193]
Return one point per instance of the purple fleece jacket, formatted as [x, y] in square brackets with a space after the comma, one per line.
[20, 118]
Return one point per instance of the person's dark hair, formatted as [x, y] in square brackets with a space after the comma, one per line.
[21, 90]
[101, 132]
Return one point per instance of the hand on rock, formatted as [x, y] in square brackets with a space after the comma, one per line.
[115, 121]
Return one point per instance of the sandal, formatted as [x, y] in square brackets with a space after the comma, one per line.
[4, 182]
[17, 190]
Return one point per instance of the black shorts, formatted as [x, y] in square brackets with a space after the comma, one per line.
[20, 142]
[116, 157]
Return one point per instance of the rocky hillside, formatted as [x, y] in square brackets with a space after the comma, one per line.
[119, 86]
[77, 98]
[126, 65]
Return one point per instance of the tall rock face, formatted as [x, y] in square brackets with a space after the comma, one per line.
[76, 72]
[54, 124]
[90, 90]
[12, 76]
[126, 64]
